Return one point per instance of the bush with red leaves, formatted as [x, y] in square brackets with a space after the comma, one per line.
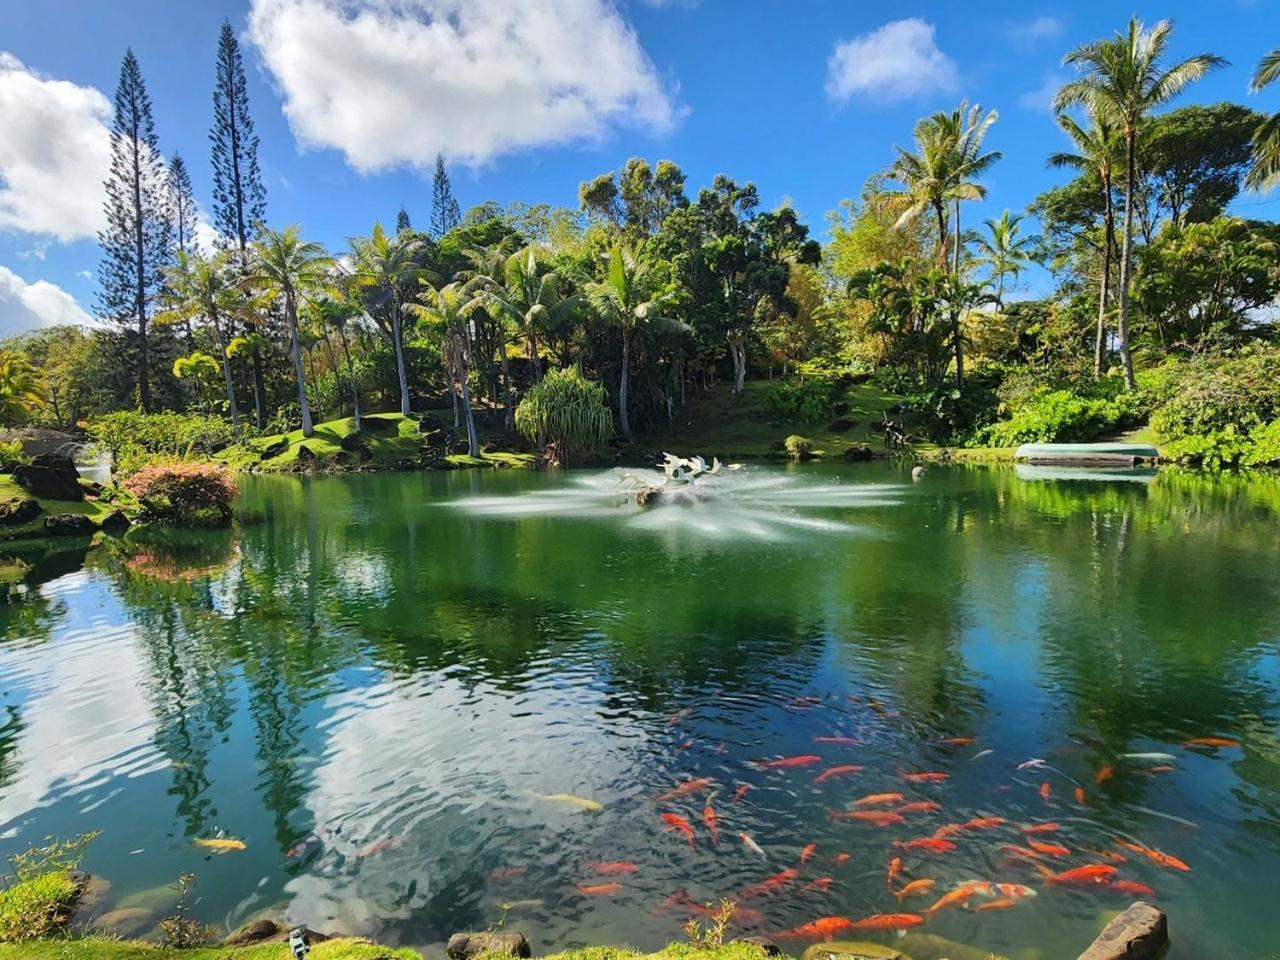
[187, 493]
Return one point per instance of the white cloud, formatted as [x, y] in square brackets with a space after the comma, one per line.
[1039, 28]
[84, 274]
[393, 82]
[25, 306]
[896, 61]
[54, 154]
[1040, 100]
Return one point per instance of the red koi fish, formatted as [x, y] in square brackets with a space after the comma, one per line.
[677, 822]
[824, 928]
[740, 792]
[920, 806]
[613, 868]
[741, 915]
[840, 771]
[888, 921]
[1105, 774]
[377, 847]
[1093, 874]
[1041, 828]
[1131, 887]
[929, 844]
[821, 885]
[894, 871]
[786, 763]
[1048, 849]
[1022, 853]
[1213, 743]
[878, 799]
[678, 716]
[841, 858]
[961, 894]
[809, 850]
[878, 818]
[599, 889]
[983, 823]
[684, 746]
[712, 823]
[842, 741]
[770, 885]
[1004, 903]
[1155, 856]
[948, 830]
[1080, 796]
[931, 776]
[1046, 791]
[683, 789]
[958, 742]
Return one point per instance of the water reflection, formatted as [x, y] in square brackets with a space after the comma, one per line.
[371, 688]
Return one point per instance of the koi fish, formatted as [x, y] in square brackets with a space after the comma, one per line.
[1049, 849]
[1111, 856]
[957, 742]
[751, 845]
[1046, 791]
[744, 915]
[683, 789]
[842, 741]
[983, 823]
[920, 806]
[1211, 742]
[1022, 853]
[1155, 856]
[808, 851]
[931, 776]
[679, 715]
[506, 873]
[823, 928]
[1105, 774]
[220, 844]
[1041, 828]
[1004, 903]
[879, 818]
[1132, 888]
[1150, 757]
[961, 894]
[599, 889]
[568, 799]
[1092, 874]
[613, 868]
[770, 885]
[888, 921]
[377, 847]
[948, 830]
[841, 858]
[677, 822]
[878, 799]
[893, 872]
[740, 792]
[786, 763]
[1032, 764]
[712, 823]
[840, 771]
[1079, 794]
[1009, 891]
[684, 746]
[982, 753]
[923, 885]
[821, 885]
[302, 846]
[1163, 768]
[930, 844]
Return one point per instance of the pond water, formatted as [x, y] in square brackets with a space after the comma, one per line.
[383, 685]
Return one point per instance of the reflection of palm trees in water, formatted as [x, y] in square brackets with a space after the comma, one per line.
[10, 735]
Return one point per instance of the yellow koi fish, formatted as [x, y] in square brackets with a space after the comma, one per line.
[220, 844]
[581, 803]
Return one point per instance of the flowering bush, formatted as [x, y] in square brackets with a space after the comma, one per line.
[189, 493]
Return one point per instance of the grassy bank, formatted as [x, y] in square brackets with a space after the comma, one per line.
[98, 948]
[11, 494]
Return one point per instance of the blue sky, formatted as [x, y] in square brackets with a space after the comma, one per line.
[352, 98]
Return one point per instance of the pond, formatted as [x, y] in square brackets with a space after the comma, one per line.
[433, 702]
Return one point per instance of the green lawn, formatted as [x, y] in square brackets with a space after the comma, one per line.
[10, 491]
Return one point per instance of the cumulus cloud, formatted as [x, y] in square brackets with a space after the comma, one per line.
[25, 306]
[54, 153]
[1039, 28]
[392, 82]
[896, 61]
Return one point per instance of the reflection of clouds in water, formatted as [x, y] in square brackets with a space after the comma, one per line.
[364, 575]
[753, 505]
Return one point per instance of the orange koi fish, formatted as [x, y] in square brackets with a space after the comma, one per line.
[1090, 875]
[1105, 774]
[894, 871]
[931, 776]
[1080, 796]
[599, 889]
[1041, 828]
[1211, 742]
[678, 716]
[843, 741]
[840, 771]
[1111, 856]
[740, 792]
[983, 823]
[613, 868]
[923, 885]
[786, 763]
[808, 851]
[888, 921]
[1046, 791]
[712, 823]
[823, 928]
[1163, 768]
[1048, 849]
[677, 822]
[377, 847]
[1155, 856]
[961, 894]
[770, 885]
[1004, 903]
[821, 885]
[1022, 853]
[878, 818]
[958, 742]
[920, 806]
[929, 844]
[683, 789]
[1014, 891]
[948, 830]
[878, 799]
[1132, 887]
[503, 874]
[841, 858]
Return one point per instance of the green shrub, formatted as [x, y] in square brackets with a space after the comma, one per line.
[11, 451]
[566, 409]
[136, 439]
[185, 493]
[38, 907]
[1265, 449]
[798, 401]
[798, 447]
[1064, 415]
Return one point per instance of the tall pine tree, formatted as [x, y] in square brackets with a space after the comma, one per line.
[445, 214]
[239, 199]
[182, 206]
[402, 221]
[136, 241]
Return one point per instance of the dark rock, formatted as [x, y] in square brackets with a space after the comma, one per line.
[51, 477]
[430, 424]
[1137, 934]
[353, 443]
[126, 923]
[116, 520]
[854, 950]
[93, 894]
[464, 945]
[92, 488]
[842, 425]
[68, 524]
[9, 466]
[271, 451]
[859, 453]
[14, 512]
[770, 948]
[840, 409]
[306, 457]
[377, 424]
[255, 931]
[440, 438]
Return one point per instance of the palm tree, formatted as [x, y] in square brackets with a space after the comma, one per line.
[530, 294]
[448, 308]
[625, 300]
[288, 267]
[488, 272]
[22, 390]
[387, 269]
[1098, 147]
[1004, 250]
[204, 287]
[337, 313]
[1125, 79]
[1265, 172]
[199, 367]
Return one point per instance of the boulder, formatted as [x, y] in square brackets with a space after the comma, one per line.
[930, 946]
[91, 488]
[430, 424]
[68, 524]
[464, 945]
[126, 923]
[853, 950]
[306, 457]
[1139, 933]
[859, 453]
[442, 439]
[9, 466]
[255, 931]
[94, 895]
[273, 450]
[840, 409]
[378, 425]
[50, 477]
[770, 948]
[14, 512]
[116, 520]
[843, 425]
[353, 443]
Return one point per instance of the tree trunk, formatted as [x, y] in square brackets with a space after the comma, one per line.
[1104, 294]
[473, 443]
[623, 419]
[1126, 256]
[290, 309]
[956, 330]
[259, 389]
[940, 212]
[397, 334]
[509, 416]
[351, 375]
[226, 372]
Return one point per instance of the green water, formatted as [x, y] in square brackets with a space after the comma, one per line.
[371, 680]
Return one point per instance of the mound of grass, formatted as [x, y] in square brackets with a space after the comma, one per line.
[36, 908]
[10, 491]
[96, 948]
